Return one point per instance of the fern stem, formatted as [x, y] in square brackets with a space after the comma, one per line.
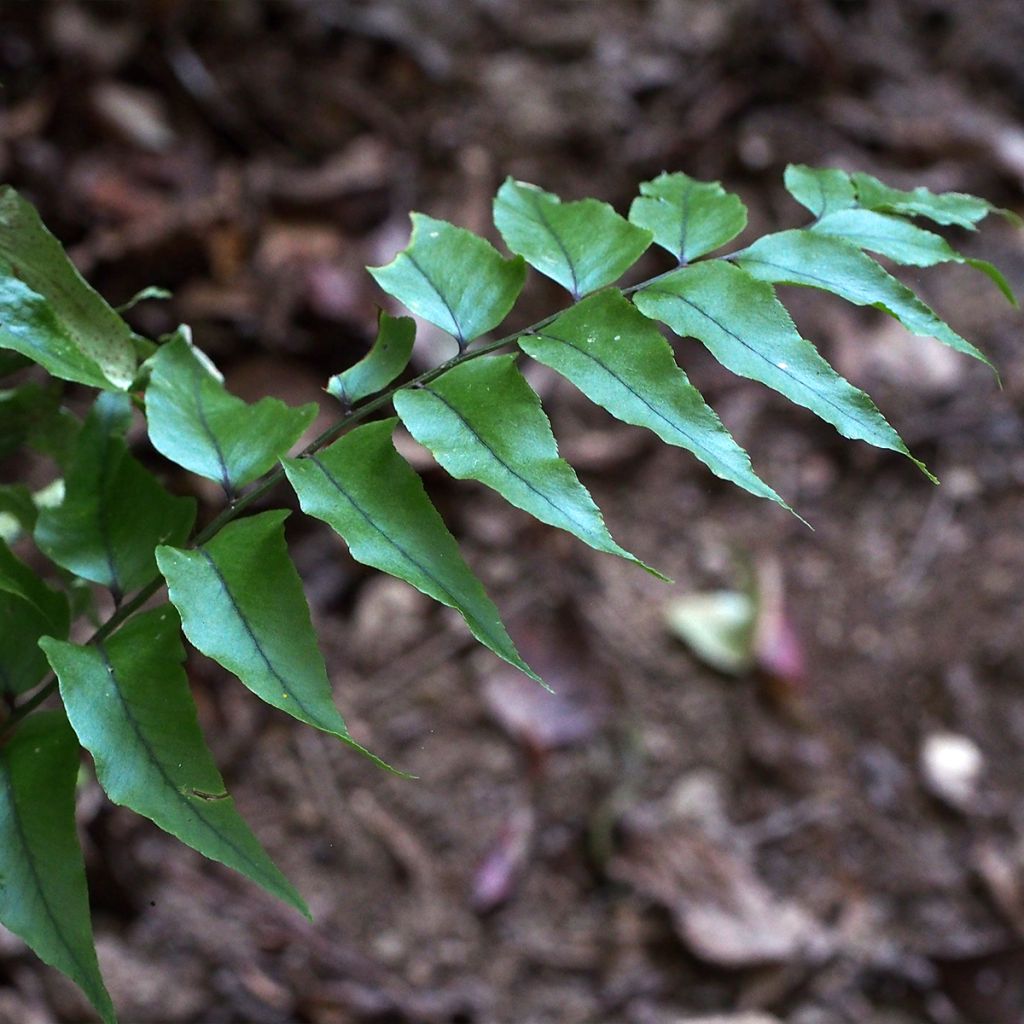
[272, 478]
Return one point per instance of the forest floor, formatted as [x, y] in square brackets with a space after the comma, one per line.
[659, 842]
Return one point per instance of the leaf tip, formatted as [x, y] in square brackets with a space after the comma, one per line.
[654, 572]
[379, 762]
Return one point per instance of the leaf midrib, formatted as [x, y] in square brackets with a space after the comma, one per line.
[5, 772]
[621, 381]
[196, 809]
[197, 397]
[455, 602]
[459, 332]
[538, 207]
[504, 465]
[732, 334]
[315, 719]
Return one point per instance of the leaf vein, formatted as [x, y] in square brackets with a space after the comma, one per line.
[336, 484]
[19, 829]
[247, 626]
[459, 333]
[197, 395]
[625, 384]
[538, 207]
[775, 366]
[504, 465]
[159, 765]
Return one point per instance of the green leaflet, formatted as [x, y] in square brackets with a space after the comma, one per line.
[241, 603]
[902, 242]
[367, 492]
[835, 265]
[114, 511]
[381, 365]
[826, 191]
[198, 424]
[748, 330]
[482, 421]
[620, 361]
[582, 245]
[452, 278]
[43, 897]
[822, 190]
[129, 702]
[29, 609]
[688, 217]
[49, 313]
[945, 208]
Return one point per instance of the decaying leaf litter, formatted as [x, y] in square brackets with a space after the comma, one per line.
[162, 147]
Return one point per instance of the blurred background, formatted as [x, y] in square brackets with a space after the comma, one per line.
[786, 787]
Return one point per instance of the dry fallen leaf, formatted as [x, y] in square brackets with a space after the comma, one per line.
[498, 874]
[737, 631]
[721, 908]
[555, 646]
[718, 627]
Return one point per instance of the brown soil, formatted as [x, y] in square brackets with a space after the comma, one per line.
[660, 842]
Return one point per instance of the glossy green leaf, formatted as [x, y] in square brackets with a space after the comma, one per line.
[822, 190]
[482, 421]
[748, 331]
[48, 312]
[29, 609]
[129, 702]
[835, 265]
[452, 278]
[195, 422]
[943, 208]
[582, 245]
[43, 896]
[388, 357]
[367, 492]
[902, 242]
[241, 603]
[688, 217]
[620, 361]
[114, 511]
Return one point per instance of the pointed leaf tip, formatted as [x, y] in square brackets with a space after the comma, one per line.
[43, 898]
[129, 703]
[47, 310]
[814, 260]
[947, 208]
[746, 328]
[242, 604]
[620, 360]
[370, 495]
[463, 418]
